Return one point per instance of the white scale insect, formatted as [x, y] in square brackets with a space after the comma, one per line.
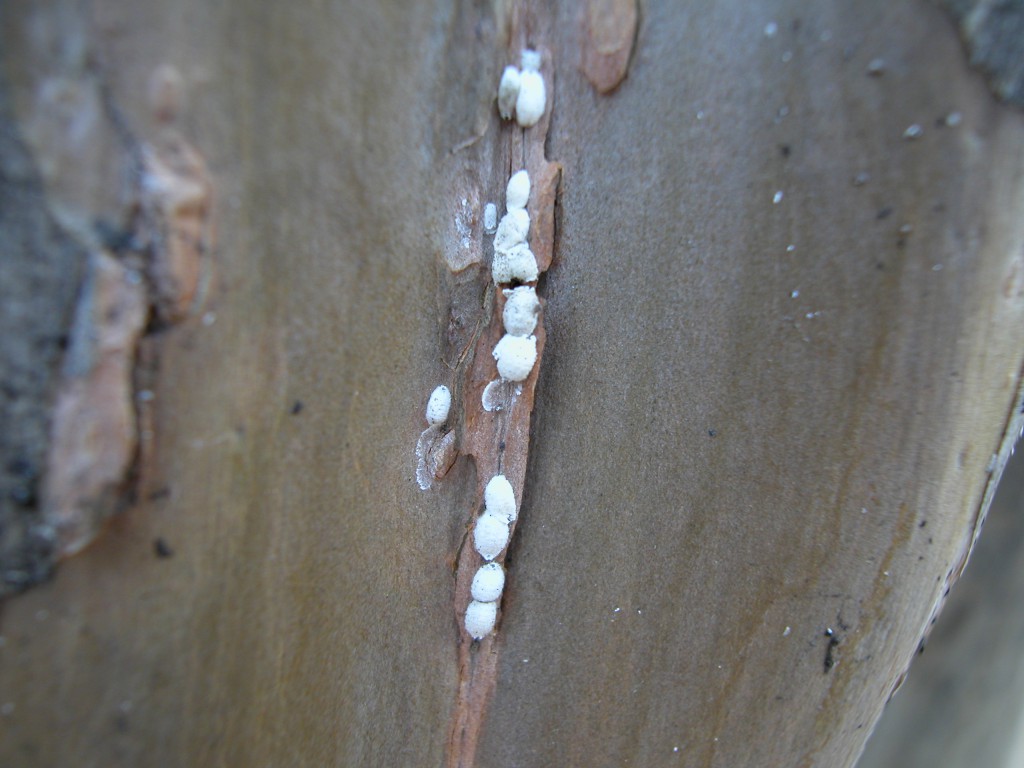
[490, 535]
[514, 263]
[480, 618]
[516, 356]
[508, 92]
[513, 229]
[438, 405]
[500, 499]
[488, 583]
[517, 192]
[490, 218]
[521, 310]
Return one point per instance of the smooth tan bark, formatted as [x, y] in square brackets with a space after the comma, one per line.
[755, 421]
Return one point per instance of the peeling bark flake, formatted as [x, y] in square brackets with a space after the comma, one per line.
[609, 34]
[94, 434]
[176, 199]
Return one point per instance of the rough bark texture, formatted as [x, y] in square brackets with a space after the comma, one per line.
[768, 408]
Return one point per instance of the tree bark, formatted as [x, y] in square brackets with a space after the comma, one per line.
[784, 344]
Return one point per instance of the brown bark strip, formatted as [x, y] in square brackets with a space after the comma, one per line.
[498, 440]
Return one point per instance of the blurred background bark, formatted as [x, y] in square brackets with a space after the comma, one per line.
[785, 335]
[963, 703]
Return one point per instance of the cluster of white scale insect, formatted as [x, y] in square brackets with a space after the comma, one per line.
[521, 93]
[514, 262]
[490, 537]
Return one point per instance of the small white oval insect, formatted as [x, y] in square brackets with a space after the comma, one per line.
[515, 356]
[508, 92]
[517, 193]
[488, 583]
[913, 132]
[490, 218]
[529, 60]
[517, 263]
[512, 229]
[490, 535]
[500, 499]
[438, 406]
[532, 99]
[480, 618]
[522, 264]
[521, 310]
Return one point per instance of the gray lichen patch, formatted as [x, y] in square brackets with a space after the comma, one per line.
[994, 35]
[39, 278]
